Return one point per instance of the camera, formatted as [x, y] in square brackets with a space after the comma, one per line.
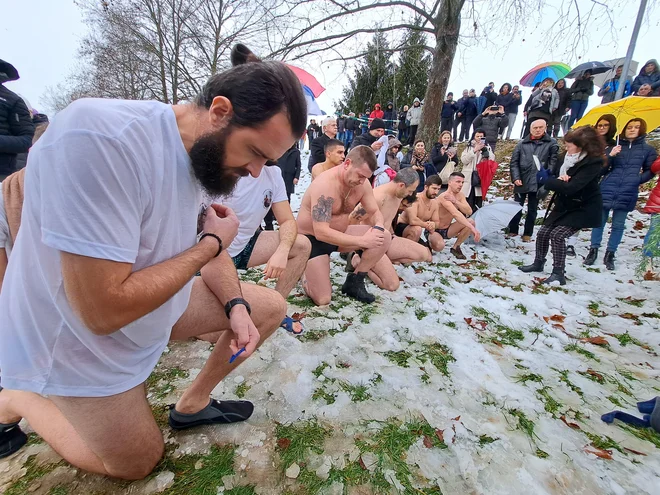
[494, 107]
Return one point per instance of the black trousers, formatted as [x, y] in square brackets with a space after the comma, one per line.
[459, 121]
[413, 133]
[532, 210]
[446, 124]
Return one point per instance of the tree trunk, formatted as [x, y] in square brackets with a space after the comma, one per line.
[447, 27]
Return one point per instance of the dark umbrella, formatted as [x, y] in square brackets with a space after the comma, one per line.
[7, 72]
[594, 67]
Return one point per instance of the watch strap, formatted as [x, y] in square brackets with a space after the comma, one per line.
[236, 301]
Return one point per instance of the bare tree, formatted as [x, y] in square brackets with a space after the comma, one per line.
[325, 26]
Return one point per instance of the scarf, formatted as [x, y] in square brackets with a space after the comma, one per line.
[570, 161]
[13, 193]
[419, 159]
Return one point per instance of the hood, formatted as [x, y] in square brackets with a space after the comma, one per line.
[393, 142]
[564, 81]
[7, 72]
[612, 120]
[390, 106]
[642, 130]
[416, 100]
[652, 61]
[377, 106]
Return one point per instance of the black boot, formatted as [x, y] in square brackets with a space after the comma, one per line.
[609, 260]
[570, 251]
[591, 257]
[537, 266]
[557, 276]
[12, 438]
[354, 287]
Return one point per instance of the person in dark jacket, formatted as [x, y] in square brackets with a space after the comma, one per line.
[629, 166]
[542, 103]
[471, 113]
[449, 108]
[459, 118]
[16, 126]
[490, 94]
[581, 90]
[537, 146]
[417, 159]
[389, 116]
[611, 86]
[576, 203]
[493, 122]
[505, 100]
[648, 76]
[512, 110]
[442, 152]
[403, 125]
[289, 164]
[350, 127]
[563, 107]
[376, 131]
[606, 127]
[317, 147]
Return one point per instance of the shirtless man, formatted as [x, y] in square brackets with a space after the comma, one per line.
[334, 156]
[389, 197]
[422, 215]
[452, 205]
[323, 218]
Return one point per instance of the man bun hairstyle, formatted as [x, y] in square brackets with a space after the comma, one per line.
[406, 176]
[433, 180]
[363, 154]
[257, 90]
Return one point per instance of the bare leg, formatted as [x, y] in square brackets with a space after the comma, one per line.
[412, 233]
[406, 251]
[436, 242]
[370, 257]
[206, 315]
[460, 232]
[316, 280]
[383, 274]
[115, 436]
[267, 243]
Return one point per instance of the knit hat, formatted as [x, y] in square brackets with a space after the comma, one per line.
[377, 124]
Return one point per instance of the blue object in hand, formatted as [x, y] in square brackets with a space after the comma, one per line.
[233, 358]
[542, 176]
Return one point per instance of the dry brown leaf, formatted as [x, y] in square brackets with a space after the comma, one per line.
[629, 316]
[468, 321]
[634, 451]
[546, 319]
[362, 465]
[457, 418]
[298, 316]
[559, 326]
[595, 373]
[574, 426]
[559, 318]
[441, 435]
[474, 256]
[595, 340]
[428, 442]
[497, 343]
[603, 454]
[639, 225]
[283, 443]
[649, 275]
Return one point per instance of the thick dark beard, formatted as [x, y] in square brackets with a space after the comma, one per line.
[207, 159]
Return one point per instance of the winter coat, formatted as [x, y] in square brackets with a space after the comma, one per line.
[577, 203]
[438, 159]
[341, 124]
[290, 165]
[504, 100]
[523, 167]
[626, 172]
[448, 109]
[389, 115]
[564, 95]
[582, 89]
[611, 86]
[402, 120]
[365, 139]
[470, 159]
[652, 79]
[377, 113]
[311, 132]
[490, 96]
[406, 163]
[548, 103]
[317, 150]
[515, 103]
[350, 124]
[392, 160]
[492, 125]
[653, 204]
[415, 113]
[16, 129]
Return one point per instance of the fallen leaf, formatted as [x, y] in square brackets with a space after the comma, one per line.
[559, 326]
[595, 373]
[559, 318]
[603, 454]
[401, 279]
[419, 270]
[574, 426]
[283, 443]
[441, 435]
[595, 340]
[546, 319]
[629, 316]
[298, 316]
[457, 418]
[634, 451]
[497, 343]
[362, 465]
[474, 256]
[631, 282]
[649, 275]
[409, 298]
[639, 225]
[428, 443]
[468, 321]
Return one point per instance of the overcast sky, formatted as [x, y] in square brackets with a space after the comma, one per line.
[40, 38]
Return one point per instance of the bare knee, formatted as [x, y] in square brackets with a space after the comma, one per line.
[277, 307]
[438, 244]
[139, 466]
[301, 247]
[321, 299]
[414, 233]
[391, 284]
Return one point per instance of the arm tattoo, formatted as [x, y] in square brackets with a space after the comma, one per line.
[322, 211]
[359, 213]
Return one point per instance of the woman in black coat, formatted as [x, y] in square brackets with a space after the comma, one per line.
[577, 203]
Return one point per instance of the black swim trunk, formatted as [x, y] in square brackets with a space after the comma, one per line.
[443, 232]
[242, 259]
[320, 248]
[400, 227]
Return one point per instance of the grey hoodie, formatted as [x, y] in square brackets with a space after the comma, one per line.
[415, 113]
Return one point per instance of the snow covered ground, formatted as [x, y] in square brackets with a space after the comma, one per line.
[470, 378]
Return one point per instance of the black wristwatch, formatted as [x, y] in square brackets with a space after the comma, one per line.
[236, 301]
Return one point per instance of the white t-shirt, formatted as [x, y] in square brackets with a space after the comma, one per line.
[251, 200]
[112, 180]
[5, 235]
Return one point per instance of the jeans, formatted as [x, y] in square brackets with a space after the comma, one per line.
[466, 132]
[532, 207]
[348, 138]
[512, 120]
[403, 135]
[340, 135]
[618, 226]
[577, 111]
[652, 249]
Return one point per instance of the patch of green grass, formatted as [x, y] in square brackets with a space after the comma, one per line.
[321, 393]
[518, 288]
[400, 358]
[368, 310]
[439, 293]
[653, 315]
[638, 303]
[551, 404]
[159, 383]
[626, 374]
[241, 390]
[615, 400]
[301, 301]
[521, 307]
[34, 439]
[598, 378]
[485, 440]
[59, 490]
[541, 454]
[318, 371]
[421, 314]
[474, 290]
[604, 442]
[593, 270]
[581, 350]
[625, 339]
[523, 424]
[594, 309]
[358, 393]
[529, 377]
[253, 275]
[312, 335]
[439, 355]
[426, 378]
[517, 263]
[451, 324]
[504, 334]
[563, 377]
[296, 439]
[648, 434]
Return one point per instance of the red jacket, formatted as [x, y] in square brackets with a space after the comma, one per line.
[377, 113]
[653, 204]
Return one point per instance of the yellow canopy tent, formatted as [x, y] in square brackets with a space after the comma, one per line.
[642, 107]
